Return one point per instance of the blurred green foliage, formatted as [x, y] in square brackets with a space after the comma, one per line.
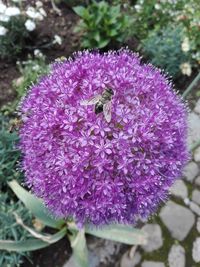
[13, 42]
[31, 70]
[102, 23]
[9, 154]
[163, 48]
[10, 230]
[152, 14]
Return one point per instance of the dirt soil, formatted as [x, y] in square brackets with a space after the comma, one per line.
[53, 256]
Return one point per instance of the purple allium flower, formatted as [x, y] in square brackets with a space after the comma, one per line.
[96, 171]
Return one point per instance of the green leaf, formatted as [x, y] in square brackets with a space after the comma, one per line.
[96, 36]
[30, 244]
[81, 11]
[120, 233]
[103, 43]
[35, 205]
[79, 247]
[113, 32]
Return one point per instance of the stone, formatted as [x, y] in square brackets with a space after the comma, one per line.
[152, 264]
[102, 251]
[196, 250]
[195, 208]
[154, 237]
[187, 201]
[196, 196]
[176, 256]
[198, 224]
[178, 219]
[127, 261]
[197, 181]
[191, 171]
[194, 128]
[197, 154]
[179, 189]
[197, 107]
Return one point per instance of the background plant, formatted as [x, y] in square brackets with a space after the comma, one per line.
[16, 25]
[155, 15]
[163, 48]
[31, 70]
[9, 229]
[102, 23]
[13, 41]
[9, 154]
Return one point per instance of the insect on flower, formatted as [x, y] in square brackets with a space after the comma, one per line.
[103, 103]
[15, 125]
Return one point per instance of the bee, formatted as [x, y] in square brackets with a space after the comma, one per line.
[15, 125]
[103, 103]
[60, 59]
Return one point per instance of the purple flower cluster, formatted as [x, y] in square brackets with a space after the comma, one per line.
[91, 170]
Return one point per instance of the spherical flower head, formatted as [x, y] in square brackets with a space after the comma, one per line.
[93, 168]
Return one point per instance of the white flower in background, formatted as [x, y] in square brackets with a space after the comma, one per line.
[157, 6]
[186, 68]
[38, 53]
[57, 39]
[36, 67]
[16, 1]
[4, 18]
[39, 16]
[2, 8]
[34, 14]
[138, 8]
[39, 4]
[30, 25]
[12, 11]
[185, 46]
[42, 12]
[30, 12]
[3, 30]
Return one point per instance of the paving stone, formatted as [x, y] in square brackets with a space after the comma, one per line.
[194, 128]
[198, 224]
[178, 219]
[197, 154]
[197, 181]
[197, 107]
[194, 207]
[191, 171]
[196, 196]
[196, 250]
[176, 256]
[179, 189]
[126, 261]
[152, 264]
[102, 251]
[155, 240]
[187, 201]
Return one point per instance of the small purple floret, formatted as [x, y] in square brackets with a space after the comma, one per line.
[98, 172]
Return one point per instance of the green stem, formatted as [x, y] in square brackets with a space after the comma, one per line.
[79, 248]
[191, 86]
